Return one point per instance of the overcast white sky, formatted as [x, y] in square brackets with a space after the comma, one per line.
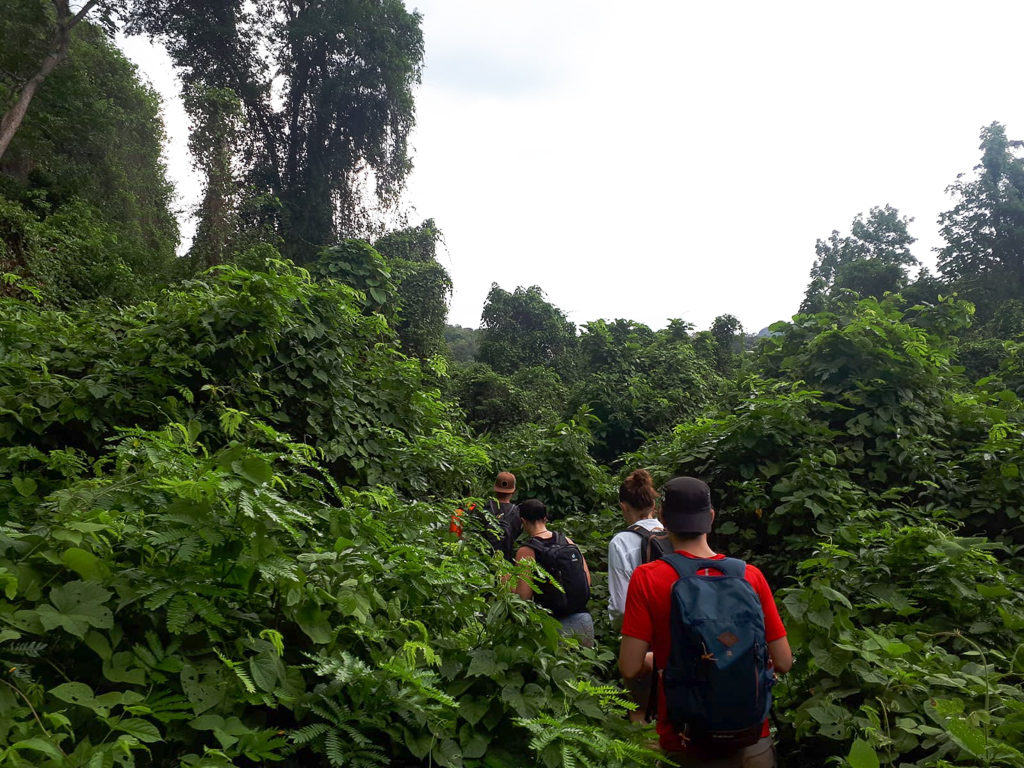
[660, 159]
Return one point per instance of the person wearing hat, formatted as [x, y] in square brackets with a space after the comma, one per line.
[687, 514]
[501, 524]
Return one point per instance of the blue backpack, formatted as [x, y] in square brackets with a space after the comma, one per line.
[718, 680]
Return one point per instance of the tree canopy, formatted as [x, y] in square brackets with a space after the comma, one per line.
[869, 262]
[325, 91]
[984, 231]
[522, 329]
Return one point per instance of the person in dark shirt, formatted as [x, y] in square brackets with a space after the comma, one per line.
[500, 523]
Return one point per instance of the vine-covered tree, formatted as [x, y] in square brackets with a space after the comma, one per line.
[872, 260]
[727, 332]
[84, 196]
[522, 329]
[424, 287]
[326, 93]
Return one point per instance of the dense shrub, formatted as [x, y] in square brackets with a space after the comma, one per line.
[176, 604]
[276, 345]
[184, 584]
[911, 649]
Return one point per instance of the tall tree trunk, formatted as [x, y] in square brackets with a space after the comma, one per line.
[12, 119]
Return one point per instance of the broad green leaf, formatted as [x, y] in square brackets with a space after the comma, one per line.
[265, 671]
[26, 486]
[833, 595]
[482, 662]
[255, 469]
[447, 754]
[206, 722]
[74, 693]
[84, 563]
[862, 755]
[474, 743]
[77, 606]
[312, 622]
[201, 694]
[473, 709]
[39, 745]
[419, 743]
[969, 737]
[143, 730]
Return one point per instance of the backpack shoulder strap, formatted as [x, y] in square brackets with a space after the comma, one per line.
[731, 566]
[639, 530]
[538, 544]
[688, 566]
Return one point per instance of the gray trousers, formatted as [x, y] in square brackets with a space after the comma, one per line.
[581, 626]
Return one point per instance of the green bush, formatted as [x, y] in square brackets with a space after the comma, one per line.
[910, 648]
[276, 345]
[172, 603]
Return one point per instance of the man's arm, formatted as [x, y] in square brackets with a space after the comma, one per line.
[782, 655]
[634, 660]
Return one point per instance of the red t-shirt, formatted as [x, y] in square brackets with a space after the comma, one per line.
[648, 604]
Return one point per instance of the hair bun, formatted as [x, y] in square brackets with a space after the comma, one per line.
[639, 478]
[637, 490]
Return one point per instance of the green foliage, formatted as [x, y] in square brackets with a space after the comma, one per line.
[424, 288]
[463, 343]
[911, 649]
[489, 400]
[274, 345]
[231, 218]
[638, 382]
[175, 600]
[552, 462]
[183, 582]
[870, 262]
[727, 331]
[358, 265]
[984, 231]
[327, 96]
[522, 329]
[860, 410]
[84, 198]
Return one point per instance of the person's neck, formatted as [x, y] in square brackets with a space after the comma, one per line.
[636, 515]
[697, 547]
[503, 498]
[535, 529]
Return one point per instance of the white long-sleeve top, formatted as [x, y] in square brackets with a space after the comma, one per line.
[623, 558]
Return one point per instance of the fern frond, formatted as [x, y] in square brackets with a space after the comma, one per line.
[207, 610]
[332, 747]
[179, 614]
[32, 650]
[309, 733]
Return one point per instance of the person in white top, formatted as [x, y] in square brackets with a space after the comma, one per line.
[636, 500]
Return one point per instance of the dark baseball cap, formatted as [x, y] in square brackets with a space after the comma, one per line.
[686, 505]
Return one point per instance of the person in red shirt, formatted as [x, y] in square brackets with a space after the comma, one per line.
[687, 515]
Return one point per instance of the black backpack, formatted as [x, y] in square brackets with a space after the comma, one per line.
[564, 562]
[654, 544]
[719, 678]
[502, 527]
